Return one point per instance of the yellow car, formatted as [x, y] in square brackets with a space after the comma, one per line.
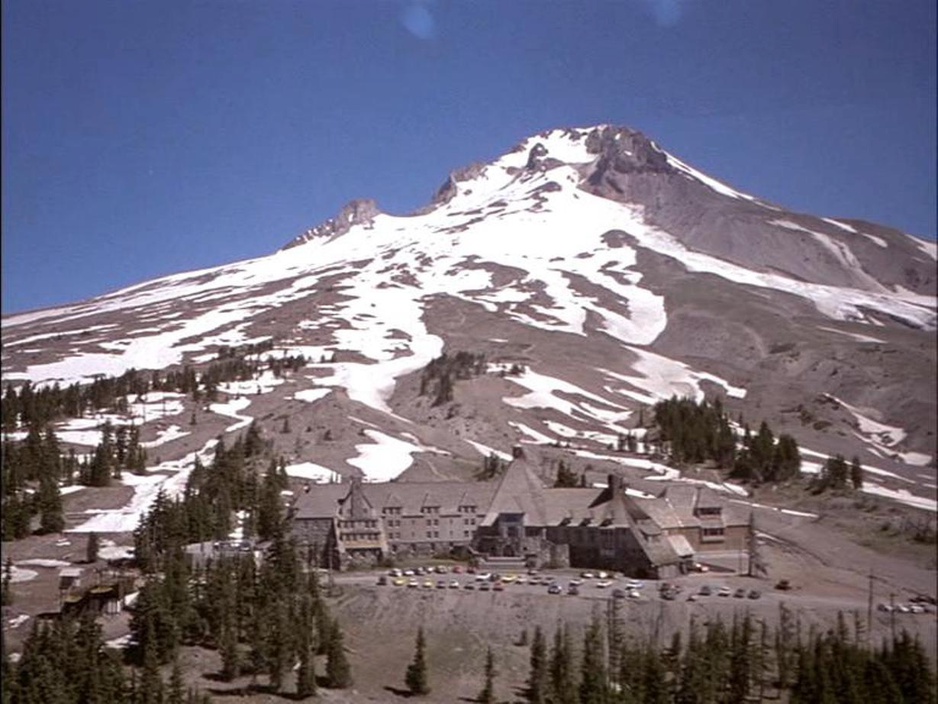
[399, 582]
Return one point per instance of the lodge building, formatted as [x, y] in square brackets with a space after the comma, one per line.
[518, 516]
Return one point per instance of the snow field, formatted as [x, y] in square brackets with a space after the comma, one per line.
[386, 458]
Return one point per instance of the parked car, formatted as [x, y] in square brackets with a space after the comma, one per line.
[669, 595]
[498, 586]
[413, 584]
[485, 586]
[724, 591]
[618, 593]
[469, 585]
[428, 584]
[554, 589]
[573, 589]
[441, 584]
[634, 584]
[603, 583]
[706, 590]
[740, 593]
[783, 585]
[483, 576]
[754, 594]
[454, 584]
[399, 582]
[587, 575]
[382, 580]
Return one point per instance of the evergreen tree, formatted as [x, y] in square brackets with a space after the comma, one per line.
[563, 685]
[175, 693]
[416, 676]
[338, 671]
[538, 680]
[7, 591]
[487, 695]
[91, 548]
[593, 675]
[49, 499]
[856, 473]
[306, 649]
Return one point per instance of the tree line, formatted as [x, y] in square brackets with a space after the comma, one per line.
[27, 405]
[696, 432]
[439, 376]
[728, 664]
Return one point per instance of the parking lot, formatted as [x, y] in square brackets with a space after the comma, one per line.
[699, 589]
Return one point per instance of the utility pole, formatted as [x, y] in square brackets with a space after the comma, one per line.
[869, 613]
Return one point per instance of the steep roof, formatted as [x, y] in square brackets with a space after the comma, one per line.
[520, 490]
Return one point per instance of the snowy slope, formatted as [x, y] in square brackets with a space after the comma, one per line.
[566, 273]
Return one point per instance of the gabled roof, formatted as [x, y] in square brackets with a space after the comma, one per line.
[520, 490]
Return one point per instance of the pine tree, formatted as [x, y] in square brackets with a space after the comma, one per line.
[856, 473]
[563, 685]
[416, 676]
[593, 676]
[51, 517]
[306, 649]
[338, 671]
[175, 691]
[7, 591]
[538, 680]
[91, 549]
[487, 695]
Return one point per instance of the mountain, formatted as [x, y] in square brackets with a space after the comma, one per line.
[595, 272]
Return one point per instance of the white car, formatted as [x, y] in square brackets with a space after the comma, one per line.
[603, 575]
[587, 575]
[483, 577]
[603, 583]
[634, 584]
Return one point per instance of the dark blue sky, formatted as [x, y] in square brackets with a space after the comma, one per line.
[146, 137]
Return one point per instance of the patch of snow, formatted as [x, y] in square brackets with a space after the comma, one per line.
[661, 377]
[903, 496]
[487, 451]
[165, 435]
[930, 247]
[535, 437]
[717, 186]
[386, 459]
[314, 472]
[262, 384]
[18, 621]
[146, 489]
[311, 395]
[918, 459]
[790, 512]
[71, 489]
[854, 335]
[44, 562]
[841, 225]
[18, 575]
[116, 552]
[231, 409]
[120, 643]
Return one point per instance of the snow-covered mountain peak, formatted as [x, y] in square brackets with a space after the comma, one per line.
[614, 272]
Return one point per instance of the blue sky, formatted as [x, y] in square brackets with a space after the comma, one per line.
[151, 137]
